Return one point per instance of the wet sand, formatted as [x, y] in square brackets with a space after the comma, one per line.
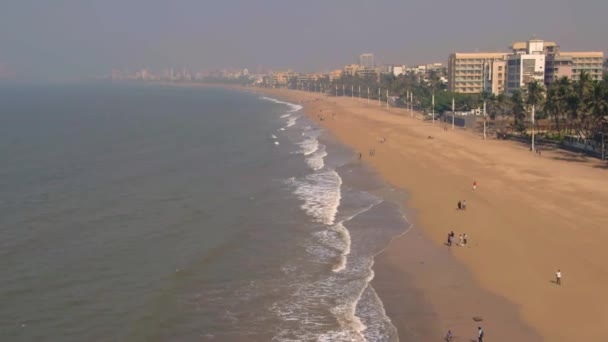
[528, 217]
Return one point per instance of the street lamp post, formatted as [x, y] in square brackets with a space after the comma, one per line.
[453, 113]
[533, 114]
[411, 104]
[433, 107]
[386, 97]
[484, 120]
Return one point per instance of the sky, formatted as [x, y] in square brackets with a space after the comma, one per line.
[79, 39]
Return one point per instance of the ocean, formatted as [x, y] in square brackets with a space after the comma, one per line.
[133, 212]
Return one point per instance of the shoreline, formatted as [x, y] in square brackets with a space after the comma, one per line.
[404, 288]
[528, 217]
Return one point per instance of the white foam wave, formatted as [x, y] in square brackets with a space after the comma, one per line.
[317, 160]
[321, 195]
[309, 146]
[274, 136]
[292, 106]
[291, 121]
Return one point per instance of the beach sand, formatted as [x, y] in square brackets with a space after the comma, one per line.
[528, 217]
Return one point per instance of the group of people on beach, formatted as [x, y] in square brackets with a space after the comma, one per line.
[462, 205]
[463, 239]
[536, 150]
[449, 337]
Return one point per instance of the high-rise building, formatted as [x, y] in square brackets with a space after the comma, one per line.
[366, 61]
[471, 73]
[526, 65]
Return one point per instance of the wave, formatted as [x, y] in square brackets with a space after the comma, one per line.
[321, 194]
[309, 146]
[292, 106]
[317, 160]
[291, 121]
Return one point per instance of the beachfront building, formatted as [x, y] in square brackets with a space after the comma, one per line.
[471, 73]
[533, 60]
[556, 67]
[366, 61]
[398, 70]
[281, 78]
[526, 65]
[351, 70]
[335, 75]
[589, 62]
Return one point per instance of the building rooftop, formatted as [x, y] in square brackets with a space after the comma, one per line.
[583, 54]
[480, 54]
[524, 45]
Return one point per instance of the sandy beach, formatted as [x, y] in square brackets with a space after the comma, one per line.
[528, 217]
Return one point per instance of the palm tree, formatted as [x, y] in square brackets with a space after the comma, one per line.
[557, 99]
[579, 104]
[535, 92]
[518, 110]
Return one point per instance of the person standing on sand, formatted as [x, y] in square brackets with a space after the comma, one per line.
[479, 334]
[448, 336]
[464, 204]
[464, 239]
[461, 238]
[474, 185]
[558, 277]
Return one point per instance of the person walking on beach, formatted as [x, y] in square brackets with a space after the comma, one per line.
[459, 205]
[464, 239]
[558, 277]
[448, 336]
[461, 238]
[464, 204]
[479, 334]
[359, 155]
[474, 185]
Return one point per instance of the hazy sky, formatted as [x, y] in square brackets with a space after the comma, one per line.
[48, 39]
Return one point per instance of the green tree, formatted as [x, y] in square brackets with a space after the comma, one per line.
[518, 110]
[535, 96]
[556, 104]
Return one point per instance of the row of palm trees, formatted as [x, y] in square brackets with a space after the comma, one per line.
[574, 108]
[565, 108]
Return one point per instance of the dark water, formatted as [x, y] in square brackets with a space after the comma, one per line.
[151, 213]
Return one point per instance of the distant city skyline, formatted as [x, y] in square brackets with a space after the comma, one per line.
[66, 39]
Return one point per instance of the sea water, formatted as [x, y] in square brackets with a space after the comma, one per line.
[135, 213]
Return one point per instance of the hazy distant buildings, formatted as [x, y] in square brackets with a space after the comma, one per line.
[366, 61]
[351, 70]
